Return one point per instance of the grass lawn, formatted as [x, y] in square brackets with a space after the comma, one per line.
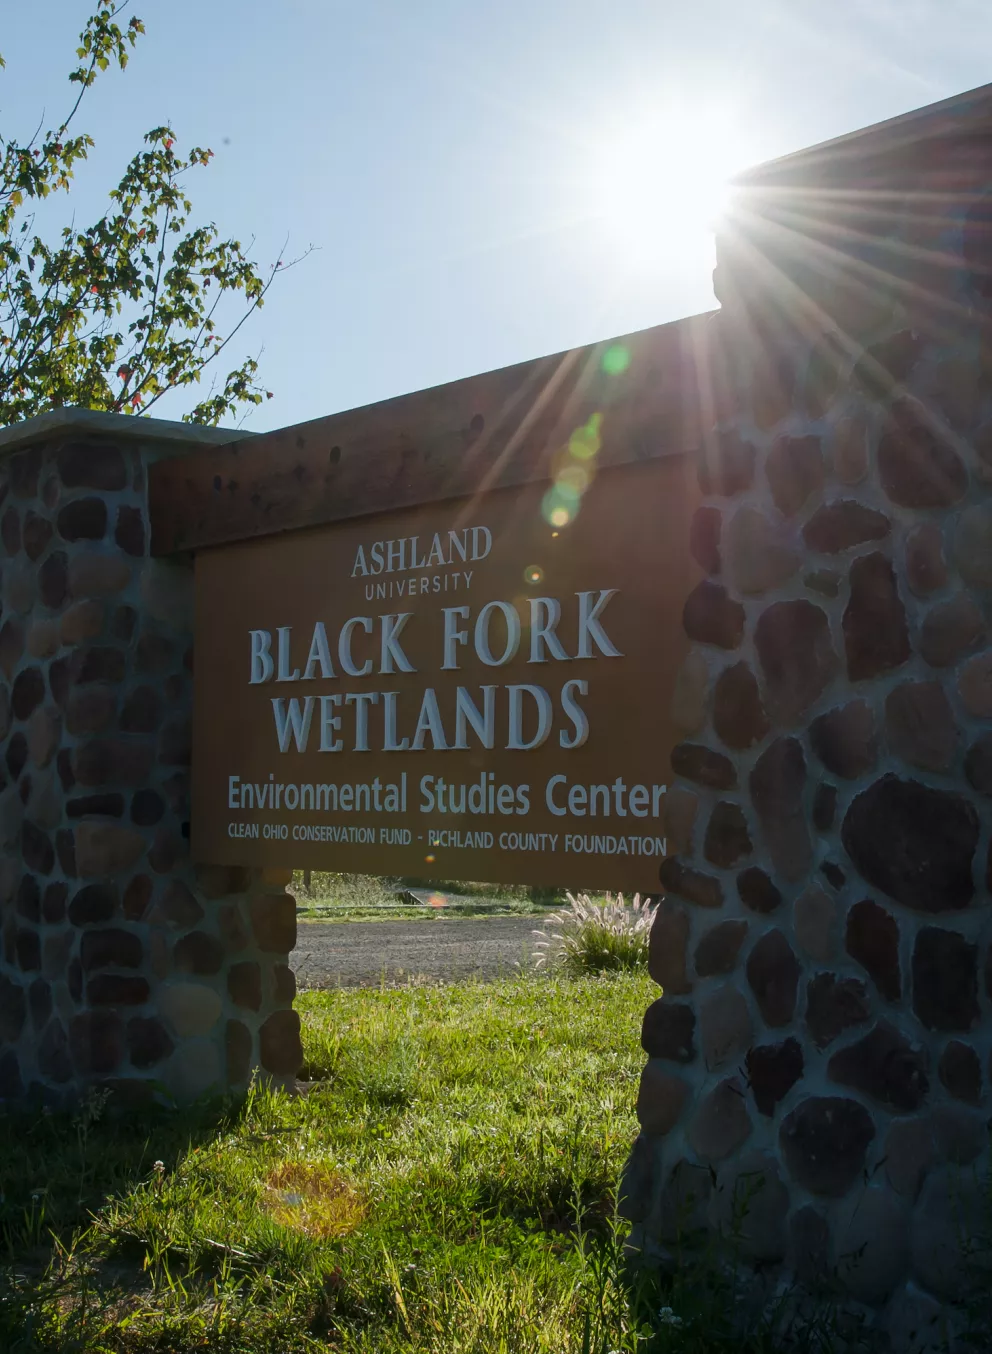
[448, 1185]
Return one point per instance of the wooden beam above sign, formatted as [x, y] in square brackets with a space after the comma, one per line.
[637, 397]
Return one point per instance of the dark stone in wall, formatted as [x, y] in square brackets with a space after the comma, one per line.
[917, 465]
[668, 1031]
[147, 1042]
[27, 692]
[777, 783]
[102, 806]
[28, 904]
[872, 940]
[978, 764]
[27, 950]
[833, 1005]
[175, 743]
[273, 922]
[112, 761]
[123, 623]
[36, 848]
[727, 839]
[824, 806]
[773, 973]
[833, 874]
[96, 664]
[117, 989]
[39, 1003]
[945, 980]
[796, 654]
[10, 531]
[13, 1010]
[757, 892]
[237, 1041]
[280, 1048]
[11, 645]
[950, 630]
[110, 949]
[710, 616]
[142, 711]
[843, 524]
[926, 570]
[84, 519]
[65, 849]
[718, 949]
[914, 843]
[886, 1067]
[825, 1140]
[11, 1085]
[844, 739]
[244, 985]
[772, 1071]
[198, 953]
[53, 903]
[704, 766]
[147, 808]
[53, 1054]
[728, 468]
[17, 755]
[137, 896]
[795, 472]
[738, 716]
[37, 534]
[92, 465]
[154, 654]
[888, 362]
[93, 904]
[22, 473]
[961, 1072]
[53, 585]
[693, 885]
[130, 531]
[919, 724]
[177, 907]
[704, 539]
[97, 1041]
[875, 635]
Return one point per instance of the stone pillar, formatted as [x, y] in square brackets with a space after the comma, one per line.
[122, 964]
[825, 1026]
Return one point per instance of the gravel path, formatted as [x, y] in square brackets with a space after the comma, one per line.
[357, 954]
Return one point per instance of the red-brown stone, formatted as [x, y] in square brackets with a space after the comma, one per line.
[148, 1042]
[772, 1071]
[704, 539]
[917, 464]
[704, 766]
[92, 465]
[738, 715]
[825, 1140]
[795, 472]
[844, 739]
[885, 1066]
[96, 1039]
[777, 783]
[83, 519]
[280, 1049]
[37, 534]
[757, 892]
[130, 531]
[244, 985]
[727, 838]
[876, 639]
[198, 953]
[112, 948]
[237, 1043]
[960, 1071]
[718, 949]
[845, 523]
[117, 989]
[702, 889]
[945, 980]
[711, 616]
[872, 940]
[796, 654]
[773, 973]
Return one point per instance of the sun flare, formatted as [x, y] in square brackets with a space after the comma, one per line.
[662, 181]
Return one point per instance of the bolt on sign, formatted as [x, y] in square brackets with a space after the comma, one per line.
[474, 689]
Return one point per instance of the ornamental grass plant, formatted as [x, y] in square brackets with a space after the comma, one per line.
[590, 937]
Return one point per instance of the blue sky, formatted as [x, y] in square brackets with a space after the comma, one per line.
[483, 180]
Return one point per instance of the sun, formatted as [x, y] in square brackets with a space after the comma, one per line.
[660, 181]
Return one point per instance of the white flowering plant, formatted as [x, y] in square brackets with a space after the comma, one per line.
[596, 937]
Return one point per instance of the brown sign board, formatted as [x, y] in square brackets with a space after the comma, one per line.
[477, 688]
